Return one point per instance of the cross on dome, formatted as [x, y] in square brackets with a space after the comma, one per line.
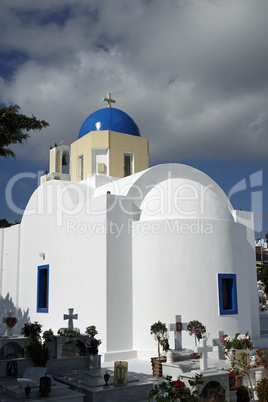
[109, 99]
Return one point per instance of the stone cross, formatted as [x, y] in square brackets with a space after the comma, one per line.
[70, 317]
[217, 342]
[178, 327]
[109, 99]
[203, 350]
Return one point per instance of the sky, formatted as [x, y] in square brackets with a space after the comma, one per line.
[193, 74]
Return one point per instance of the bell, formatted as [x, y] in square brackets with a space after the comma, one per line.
[64, 160]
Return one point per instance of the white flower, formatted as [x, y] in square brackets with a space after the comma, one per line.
[241, 337]
[165, 336]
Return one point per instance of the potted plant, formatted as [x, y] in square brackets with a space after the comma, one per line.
[159, 330]
[237, 351]
[262, 389]
[91, 331]
[92, 343]
[175, 390]
[49, 339]
[237, 348]
[35, 349]
[48, 335]
[261, 363]
[243, 394]
[93, 347]
[197, 329]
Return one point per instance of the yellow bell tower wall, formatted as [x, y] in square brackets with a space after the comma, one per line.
[121, 144]
[116, 144]
[83, 147]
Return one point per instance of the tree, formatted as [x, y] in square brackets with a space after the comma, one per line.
[12, 125]
[4, 223]
[262, 275]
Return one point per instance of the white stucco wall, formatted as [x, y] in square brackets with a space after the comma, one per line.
[179, 248]
[119, 278]
[75, 249]
[178, 274]
[149, 250]
[10, 262]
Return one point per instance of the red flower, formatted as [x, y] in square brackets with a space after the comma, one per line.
[178, 384]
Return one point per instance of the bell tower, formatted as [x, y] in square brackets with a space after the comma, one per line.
[109, 144]
[59, 163]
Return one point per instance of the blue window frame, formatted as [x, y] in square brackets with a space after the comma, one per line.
[227, 294]
[42, 288]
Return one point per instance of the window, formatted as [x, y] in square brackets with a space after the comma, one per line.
[80, 167]
[227, 294]
[42, 288]
[128, 164]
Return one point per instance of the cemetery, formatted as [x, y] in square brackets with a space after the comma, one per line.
[72, 368]
[155, 257]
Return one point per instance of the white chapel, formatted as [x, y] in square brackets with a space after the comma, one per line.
[126, 245]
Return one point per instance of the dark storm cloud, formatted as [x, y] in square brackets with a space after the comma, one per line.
[192, 74]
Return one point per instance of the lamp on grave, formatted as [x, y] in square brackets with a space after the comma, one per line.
[45, 386]
[120, 373]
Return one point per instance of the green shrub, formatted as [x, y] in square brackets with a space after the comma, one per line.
[262, 389]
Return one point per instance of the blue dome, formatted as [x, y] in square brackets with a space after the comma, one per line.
[109, 119]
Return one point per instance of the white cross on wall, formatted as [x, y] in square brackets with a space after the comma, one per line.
[109, 99]
[70, 317]
[178, 327]
[203, 350]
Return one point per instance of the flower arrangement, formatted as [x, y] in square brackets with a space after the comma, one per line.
[159, 330]
[237, 350]
[91, 331]
[69, 333]
[197, 329]
[48, 335]
[195, 355]
[239, 341]
[11, 321]
[175, 390]
[31, 329]
[261, 358]
[93, 345]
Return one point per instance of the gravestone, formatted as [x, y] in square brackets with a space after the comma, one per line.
[217, 342]
[203, 350]
[73, 348]
[70, 317]
[178, 327]
[32, 376]
[11, 350]
[178, 353]
[12, 347]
